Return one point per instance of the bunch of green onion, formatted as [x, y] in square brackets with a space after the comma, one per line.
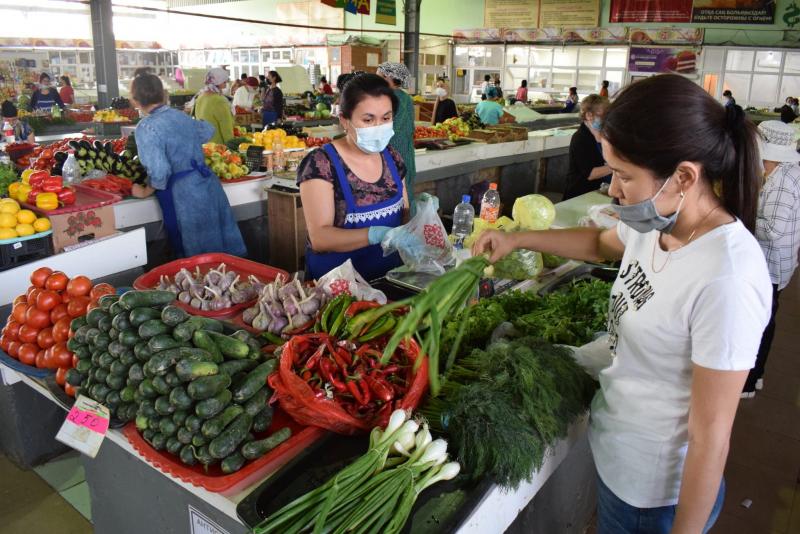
[376, 492]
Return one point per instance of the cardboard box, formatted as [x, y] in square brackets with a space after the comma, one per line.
[80, 226]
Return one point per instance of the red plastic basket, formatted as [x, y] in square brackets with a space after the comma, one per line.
[86, 198]
[206, 262]
[215, 480]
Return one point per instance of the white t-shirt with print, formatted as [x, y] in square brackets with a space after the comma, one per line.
[708, 306]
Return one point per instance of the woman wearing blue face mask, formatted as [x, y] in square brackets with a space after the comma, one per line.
[352, 189]
[587, 167]
[688, 307]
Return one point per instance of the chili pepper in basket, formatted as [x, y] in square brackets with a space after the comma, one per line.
[314, 359]
[381, 389]
[365, 391]
[352, 387]
[326, 368]
[360, 305]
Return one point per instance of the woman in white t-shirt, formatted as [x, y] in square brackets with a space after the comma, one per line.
[687, 309]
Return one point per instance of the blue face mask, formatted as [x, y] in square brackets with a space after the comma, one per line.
[643, 216]
[597, 124]
[374, 138]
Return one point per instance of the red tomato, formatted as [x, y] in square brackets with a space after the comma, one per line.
[13, 348]
[37, 318]
[62, 357]
[47, 300]
[5, 341]
[59, 312]
[18, 312]
[45, 338]
[101, 289]
[39, 276]
[21, 298]
[28, 333]
[70, 390]
[12, 329]
[41, 361]
[61, 329]
[57, 281]
[61, 376]
[92, 305]
[79, 286]
[27, 353]
[77, 306]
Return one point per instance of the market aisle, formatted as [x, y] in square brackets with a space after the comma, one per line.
[28, 504]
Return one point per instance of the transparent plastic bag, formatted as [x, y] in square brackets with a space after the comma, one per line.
[521, 264]
[603, 215]
[422, 243]
[533, 212]
[345, 280]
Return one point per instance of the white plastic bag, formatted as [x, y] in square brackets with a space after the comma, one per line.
[603, 216]
[345, 279]
[594, 356]
[422, 242]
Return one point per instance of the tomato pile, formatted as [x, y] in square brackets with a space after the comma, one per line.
[37, 330]
[43, 157]
[112, 184]
[316, 141]
[427, 132]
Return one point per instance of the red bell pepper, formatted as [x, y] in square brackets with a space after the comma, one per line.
[32, 196]
[66, 196]
[52, 184]
[35, 179]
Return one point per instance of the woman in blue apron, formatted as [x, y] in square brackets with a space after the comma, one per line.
[197, 215]
[352, 189]
[272, 100]
[46, 96]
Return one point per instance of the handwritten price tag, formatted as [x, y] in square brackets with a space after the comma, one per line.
[85, 427]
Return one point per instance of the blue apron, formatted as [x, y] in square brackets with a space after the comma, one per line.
[167, 203]
[369, 261]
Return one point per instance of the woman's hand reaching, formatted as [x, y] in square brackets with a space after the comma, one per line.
[497, 244]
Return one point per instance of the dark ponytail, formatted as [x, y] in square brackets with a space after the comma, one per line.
[666, 119]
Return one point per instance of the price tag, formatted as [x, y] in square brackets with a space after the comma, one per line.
[17, 245]
[200, 524]
[85, 427]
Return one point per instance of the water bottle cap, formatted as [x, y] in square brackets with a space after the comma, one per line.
[493, 186]
[466, 199]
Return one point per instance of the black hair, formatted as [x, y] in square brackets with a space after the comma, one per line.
[362, 86]
[342, 80]
[66, 81]
[573, 90]
[142, 70]
[524, 83]
[483, 96]
[486, 77]
[147, 89]
[727, 92]
[323, 80]
[262, 77]
[44, 75]
[8, 109]
[275, 75]
[605, 84]
[663, 120]
[244, 76]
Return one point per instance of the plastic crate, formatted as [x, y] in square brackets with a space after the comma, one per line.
[206, 262]
[22, 250]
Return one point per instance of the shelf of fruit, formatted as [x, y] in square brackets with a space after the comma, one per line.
[224, 163]
[109, 115]
[16, 222]
[451, 128]
[267, 139]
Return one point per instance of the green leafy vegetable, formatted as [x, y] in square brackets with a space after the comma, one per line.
[7, 176]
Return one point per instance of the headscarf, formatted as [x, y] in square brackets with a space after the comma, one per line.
[395, 71]
[252, 81]
[214, 77]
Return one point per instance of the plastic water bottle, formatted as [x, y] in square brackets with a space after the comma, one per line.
[490, 204]
[71, 171]
[463, 217]
[8, 132]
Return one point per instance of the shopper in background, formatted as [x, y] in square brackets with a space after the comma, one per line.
[245, 95]
[341, 80]
[352, 189]
[572, 100]
[196, 213]
[324, 87]
[487, 82]
[497, 85]
[444, 107]
[272, 100]
[142, 70]
[587, 167]
[522, 92]
[22, 131]
[262, 81]
[777, 226]
[490, 111]
[788, 111]
[727, 98]
[604, 88]
[45, 97]
[212, 106]
[239, 83]
[396, 75]
[66, 92]
[687, 309]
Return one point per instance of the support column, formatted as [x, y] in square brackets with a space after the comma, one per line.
[411, 39]
[105, 51]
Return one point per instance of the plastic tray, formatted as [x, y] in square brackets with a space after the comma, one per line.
[28, 370]
[215, 480]
[21, 250]
[206, 262]
[66, 402]
[325, 458]
[85, 198]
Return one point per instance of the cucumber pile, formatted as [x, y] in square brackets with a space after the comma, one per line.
[101, 156]
[193, 391]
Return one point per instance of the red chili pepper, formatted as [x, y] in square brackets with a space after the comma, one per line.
[389, 370]
[66, 196]
[386, 411]
[313, 361]
[301, 329]
[365, 391]
[306, 375]
[399, 391]
[359, 306]
[51, 184]
[326, 368]
[345, 355]
[381, 389]
[352, 387]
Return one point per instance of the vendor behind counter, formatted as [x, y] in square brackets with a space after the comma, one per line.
[587, 167]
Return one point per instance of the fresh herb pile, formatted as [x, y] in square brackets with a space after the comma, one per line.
[503, 406]
[7, 176]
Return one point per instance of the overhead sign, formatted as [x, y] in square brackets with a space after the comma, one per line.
[511, 13]
[568, 13]
[696, 11]
[656, 59]
[386, 12]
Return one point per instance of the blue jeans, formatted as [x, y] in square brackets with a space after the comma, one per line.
[268, 117]
[615, 516]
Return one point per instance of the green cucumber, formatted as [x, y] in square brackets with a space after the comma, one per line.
[142, 351]
[205, 387]
[164, 360]
[262, 419]
[180, 416]
[173, 315]
[202, 455]
[163, 407]
[257, 449]
[147, 408]
[105, 324]
[121, 321]
[187, 455]
[185, 330]
[180, 399]
[201, 339]
[115, 382]
[127, 357]
[255, 380]
[189, 369]
[152, 328]
[159, 441]
[163, 342]
[232, 463]
[153, 297]
[172, 379]
[148, 434]
[230, 438]
[135, 373]
[91, 334]
[119, 368]
[113, 333]
[184, 435]
[230, 347]
[77, 322]
[141, 315]
[115, 308]
[231, 367]
[93, 316]
[74, 377]
[81, 333]
[258, 401]
[115, 348]
[193, 423]
[173, 445]
[127, 394]
[101, 341]
[141, 423]
[161, 386]
[84, 366]
[208, 408]
[129, 337]
[167, 426]
[214, 426]
[198, 440]
[106, 360]
[106, 301]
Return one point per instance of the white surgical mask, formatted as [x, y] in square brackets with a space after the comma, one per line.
[644, 217]
[440, 92]
[374, 139]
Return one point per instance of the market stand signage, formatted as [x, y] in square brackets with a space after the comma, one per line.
[696, 11]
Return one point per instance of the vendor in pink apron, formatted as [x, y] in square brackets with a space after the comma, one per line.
[352, 189]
